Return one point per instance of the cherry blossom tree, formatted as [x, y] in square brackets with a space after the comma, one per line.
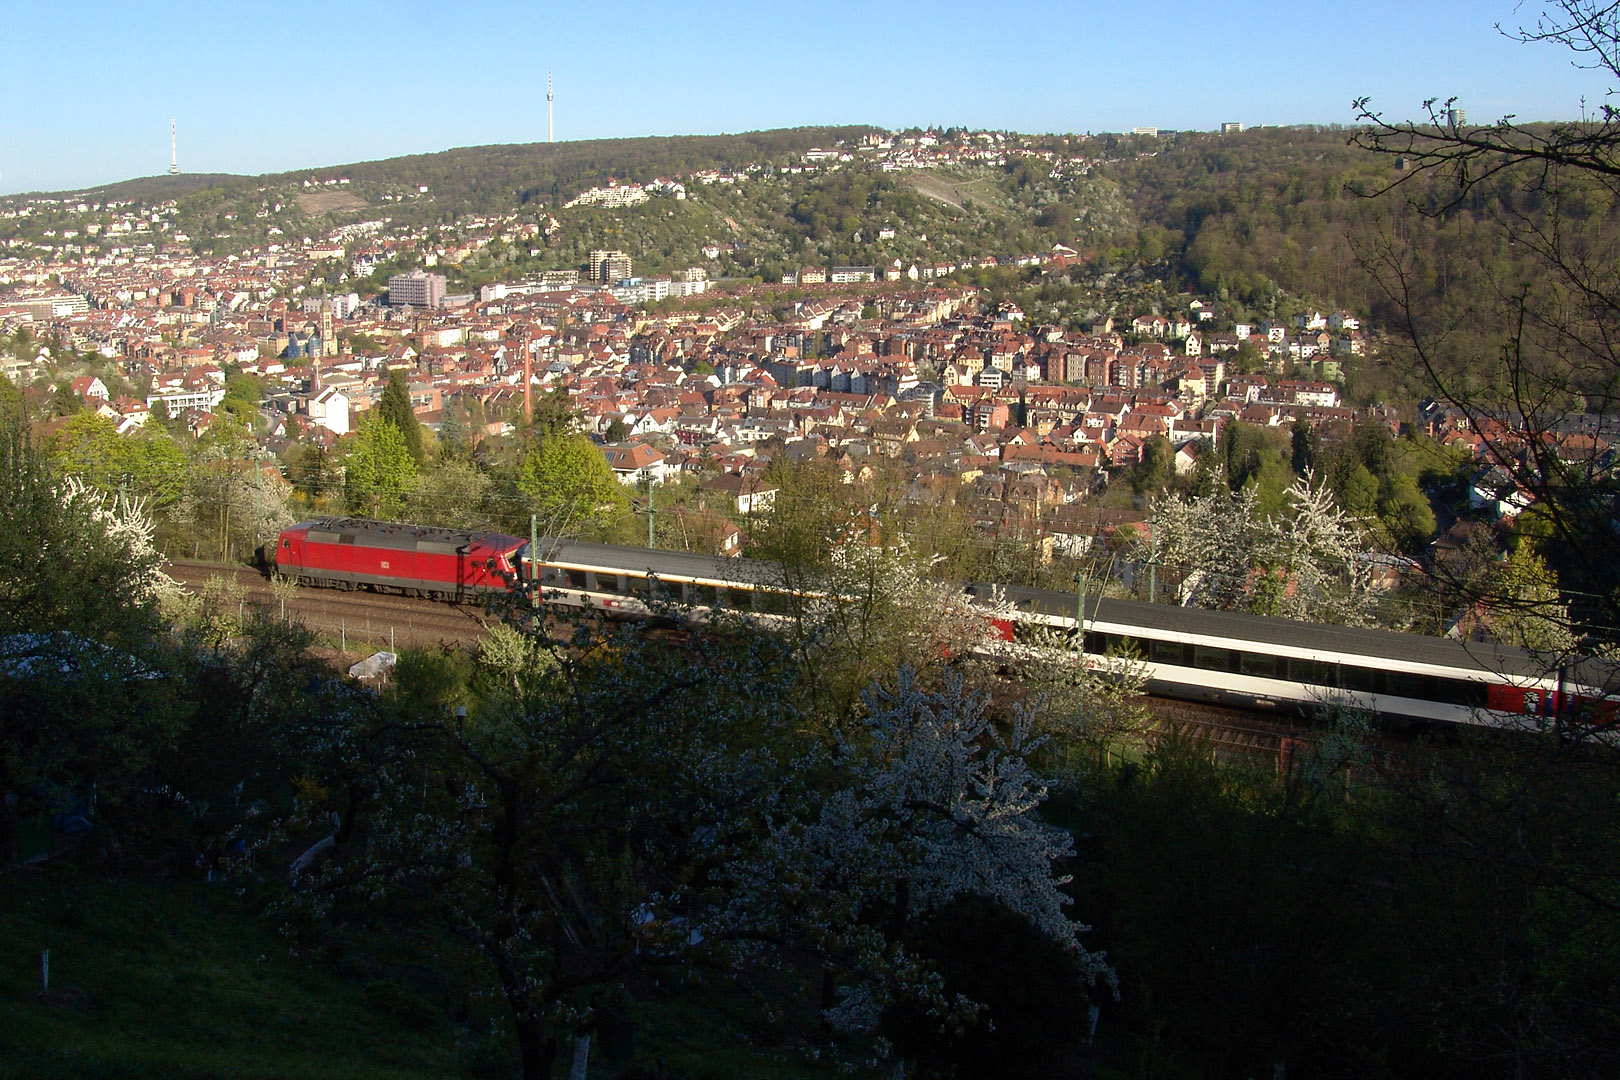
[1307, 562]
[928, 801]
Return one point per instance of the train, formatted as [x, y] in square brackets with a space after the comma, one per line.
[1219, 657]
[384, 556]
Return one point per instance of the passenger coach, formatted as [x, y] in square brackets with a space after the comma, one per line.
[1247, 661]
[1231, 658]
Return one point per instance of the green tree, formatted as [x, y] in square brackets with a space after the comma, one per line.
[243, 392]
[450, 493]
[311, 469]
[395, 407]
[1157, 469]
[71, 558]
[571, 483]
[64, 402]
[1358, 492]
[10, 399]
[454, 438]
[553, 413]
[1306, 443]
[566, 830]
[380, 470]
[145, 463]
[1528, 611]
[79, 585]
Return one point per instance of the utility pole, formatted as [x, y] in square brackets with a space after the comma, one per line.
[652, 540]
[1080, 611]
[534, 561]
[258, 507]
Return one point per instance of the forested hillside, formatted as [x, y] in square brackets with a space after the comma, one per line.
[1261, 218]
[1263, 210]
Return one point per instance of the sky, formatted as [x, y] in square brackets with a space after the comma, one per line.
[89, 88]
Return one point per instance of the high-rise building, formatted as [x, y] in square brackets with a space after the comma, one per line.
[1456, 117]
[416, 289]
[1232, 127]
[610, 266]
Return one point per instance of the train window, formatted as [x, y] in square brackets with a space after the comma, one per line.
[550, 575]
[1406, 684]
[577, 579]
[1095, 642]
[1167, 652]
[286, 543]
[1212, 659]
[1120, 645]
[609, 583]
[1314, 672]
[1364, 680]
[1461, 692]
[706, 595]
[773, 603]
[1258, 665]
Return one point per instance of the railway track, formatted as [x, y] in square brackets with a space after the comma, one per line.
[1224, 731]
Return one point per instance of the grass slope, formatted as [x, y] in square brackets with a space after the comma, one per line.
[177, 979]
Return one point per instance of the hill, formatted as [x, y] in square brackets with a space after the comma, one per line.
[1266, 221]
[770, 210]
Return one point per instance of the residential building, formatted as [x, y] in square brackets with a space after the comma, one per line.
[610, 266]
[416, 289]
[633, 462]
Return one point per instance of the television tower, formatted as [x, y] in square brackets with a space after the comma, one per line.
[551, 134]
[174, 160]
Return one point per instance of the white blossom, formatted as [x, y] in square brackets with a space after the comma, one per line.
[1304, 563]
[932, 801]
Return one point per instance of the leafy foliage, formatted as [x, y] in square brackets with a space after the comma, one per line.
[570, 480]
[380, 469]
[71, 558]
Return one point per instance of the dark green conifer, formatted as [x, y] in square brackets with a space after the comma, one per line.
[395, 407]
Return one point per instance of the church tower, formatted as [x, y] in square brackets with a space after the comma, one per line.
[329, 345]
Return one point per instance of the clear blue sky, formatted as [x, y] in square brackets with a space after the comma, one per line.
[90, 87]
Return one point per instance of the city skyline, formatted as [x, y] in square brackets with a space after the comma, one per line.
[235, 80]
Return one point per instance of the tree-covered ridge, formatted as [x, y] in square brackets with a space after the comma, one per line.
[1266, 219]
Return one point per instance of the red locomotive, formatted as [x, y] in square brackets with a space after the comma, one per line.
[413, 560]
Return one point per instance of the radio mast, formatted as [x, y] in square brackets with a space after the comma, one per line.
[174, 160]
[551, 134]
